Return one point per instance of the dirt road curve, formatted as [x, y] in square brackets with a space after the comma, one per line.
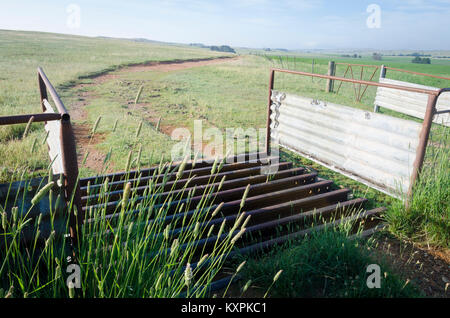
[79, 114]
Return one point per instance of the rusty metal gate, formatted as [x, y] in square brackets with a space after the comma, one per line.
[381, 151]
[411, 103]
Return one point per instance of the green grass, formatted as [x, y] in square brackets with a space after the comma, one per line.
[128, 255]
[122, 140]
[325, 264]
[233, 94]
[427, 221]
[65, 59]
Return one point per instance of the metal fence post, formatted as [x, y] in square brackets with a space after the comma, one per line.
[422, 146]
[376, 108]
[271, 81]
[72, 187]
[331, 72]
[42, 91]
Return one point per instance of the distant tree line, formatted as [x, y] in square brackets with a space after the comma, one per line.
[412, 54]
[421, 60]
[268, 49]
[355, 56]
[377, 56]
[222, 48]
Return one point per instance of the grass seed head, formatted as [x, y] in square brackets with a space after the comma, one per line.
[10, 292]
[181, 168]
[166, 232]
[158, 282]
[4, 221]
[128, 164]
[174, 247]
[238, 221]
[245, 222]
[210, 230]
[217, 210]
[38, 197]
[222, 227]
[237, 236]
[138, 160]
[28, 127]
[188, 275]
[115, 125]
[221, 183]
[214, 166]
[71, 290]
[126, 195]
[246, 286]
[138, 130]
[97, 122]
[244, 197]
[195, 159]
[197, 229]
[106, 185]
[138, 94]
[202, 260]
[239, 268]
[57, 272]
[277, 275]
[50, 239]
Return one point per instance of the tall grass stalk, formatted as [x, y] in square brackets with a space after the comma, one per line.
[132, 253]
[427, 221]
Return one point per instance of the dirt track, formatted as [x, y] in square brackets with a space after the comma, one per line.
[78, 113]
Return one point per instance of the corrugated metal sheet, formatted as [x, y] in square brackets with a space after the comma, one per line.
[410, 103]
[375, 149]
[53, 140]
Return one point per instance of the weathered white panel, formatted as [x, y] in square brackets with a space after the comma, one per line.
[53, 141]
[376, 149]
[411, 103]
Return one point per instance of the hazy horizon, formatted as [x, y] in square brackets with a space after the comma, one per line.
[408, 25]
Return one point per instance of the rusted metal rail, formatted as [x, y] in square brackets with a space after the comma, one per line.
[410, 103]
[66, 148]
[358, 95]
[416, 73]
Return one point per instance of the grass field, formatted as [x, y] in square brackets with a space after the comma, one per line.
[64, 59]
[326, 264]
[226, 95]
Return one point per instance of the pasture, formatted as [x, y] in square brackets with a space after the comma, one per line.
[136, 96]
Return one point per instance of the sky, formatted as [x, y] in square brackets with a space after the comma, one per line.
[290, 24]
